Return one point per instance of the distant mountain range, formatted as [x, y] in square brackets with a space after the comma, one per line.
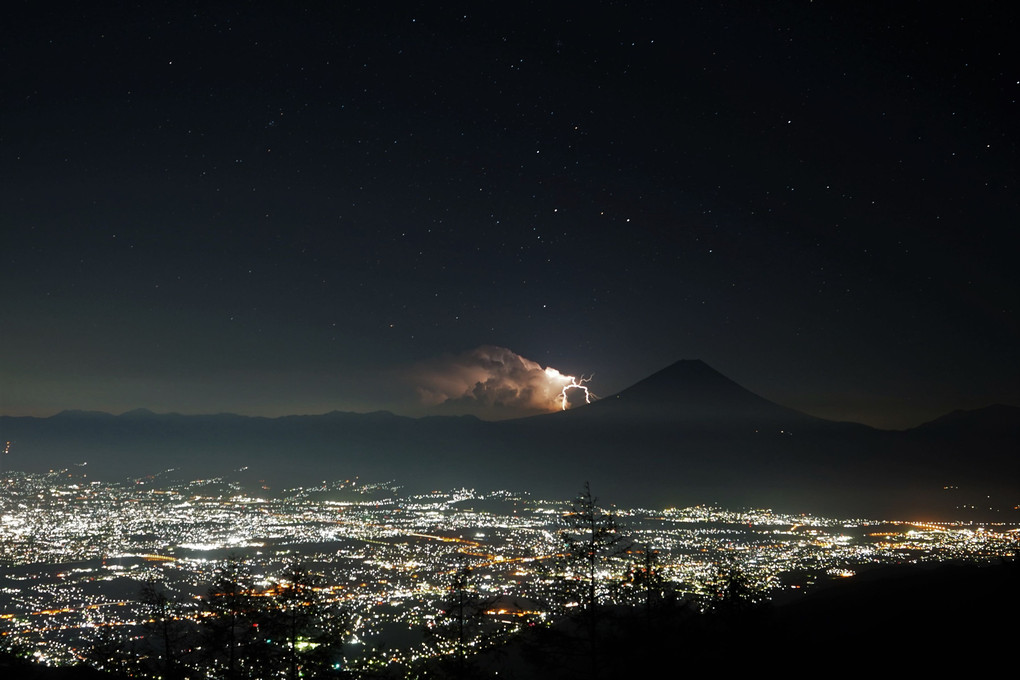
[683, 436]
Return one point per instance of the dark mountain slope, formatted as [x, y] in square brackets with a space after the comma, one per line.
[690, 391]
[685, 435]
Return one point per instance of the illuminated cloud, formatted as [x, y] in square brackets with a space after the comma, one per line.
[492, 377]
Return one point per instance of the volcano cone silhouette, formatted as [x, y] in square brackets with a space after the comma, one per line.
[690, 391]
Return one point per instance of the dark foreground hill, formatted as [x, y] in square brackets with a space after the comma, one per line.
[685, 435]
[904, 621]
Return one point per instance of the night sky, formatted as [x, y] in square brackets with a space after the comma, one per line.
[213, 207]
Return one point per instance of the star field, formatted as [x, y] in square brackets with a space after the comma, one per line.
[273, 211]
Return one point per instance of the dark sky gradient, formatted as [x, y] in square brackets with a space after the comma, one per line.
[216, 207]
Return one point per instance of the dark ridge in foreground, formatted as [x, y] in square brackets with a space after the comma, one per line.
[686, 435]
[899, 620]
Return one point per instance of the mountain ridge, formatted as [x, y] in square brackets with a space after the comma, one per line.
[684, 435]
[655, 393]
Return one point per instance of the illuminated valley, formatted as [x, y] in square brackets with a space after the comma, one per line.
[76, 554]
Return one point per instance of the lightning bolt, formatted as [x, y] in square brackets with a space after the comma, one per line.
[576, 384]
[570, 382]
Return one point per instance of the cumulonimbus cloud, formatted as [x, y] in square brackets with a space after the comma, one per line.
[490, 376]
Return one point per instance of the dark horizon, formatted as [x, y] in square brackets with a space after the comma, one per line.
[495, 415]
[686, 435]
[295, 210]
